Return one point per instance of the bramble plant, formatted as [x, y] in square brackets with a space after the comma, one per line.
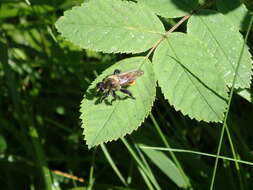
[194, 70]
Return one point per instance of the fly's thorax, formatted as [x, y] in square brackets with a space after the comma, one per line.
[112, 82]
[139, 72]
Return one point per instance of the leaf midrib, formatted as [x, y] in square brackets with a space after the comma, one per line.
[104, 124]
[196, 87]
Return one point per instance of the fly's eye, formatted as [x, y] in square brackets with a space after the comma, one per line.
[100, 86]
[116, 72]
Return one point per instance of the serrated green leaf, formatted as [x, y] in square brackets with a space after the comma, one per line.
[224, 42]
[166, 166]
[246, 94]
[103, 122]
[170, 8]
[188, 78]
[111, 26]
[235, 11]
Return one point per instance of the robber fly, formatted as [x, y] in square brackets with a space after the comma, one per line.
[116, 82]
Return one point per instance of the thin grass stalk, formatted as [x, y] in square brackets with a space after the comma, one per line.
[91, 175]
[224, 126]
[140, 164]
[113, 165]
[197, 153]
[146, 165]
[130, 173]
[40, 156]
[235, 157]
[174, 158]
[145, 178]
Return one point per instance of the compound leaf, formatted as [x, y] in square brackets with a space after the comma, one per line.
[224, 42]
[188, 78]
[109, 120]
[111, 26]
[235, 11]
[170, 8]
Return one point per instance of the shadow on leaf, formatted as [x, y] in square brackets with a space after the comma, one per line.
[92, 94]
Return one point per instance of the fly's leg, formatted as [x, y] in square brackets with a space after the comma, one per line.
[114, 95]
[105, 95]
[127, 92]
[116, 72]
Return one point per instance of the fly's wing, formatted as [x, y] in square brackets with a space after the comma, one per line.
[129, 77]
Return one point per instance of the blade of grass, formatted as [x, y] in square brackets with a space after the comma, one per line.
[145, 178]
[40, 157]
[171, 153]
[25, 121]
[140, 163]
[235, 157]
[28, 2]
[8, 126]
[91, 175]
[196, 152]
[142, 157]
[58, 125]
[10, 78]
[130, 173]
[113, 165]
[224, 126]
[145, 164]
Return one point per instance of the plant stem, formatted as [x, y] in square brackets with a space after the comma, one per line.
[181, 21]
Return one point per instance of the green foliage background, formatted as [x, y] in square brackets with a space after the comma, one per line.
[43, 78]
